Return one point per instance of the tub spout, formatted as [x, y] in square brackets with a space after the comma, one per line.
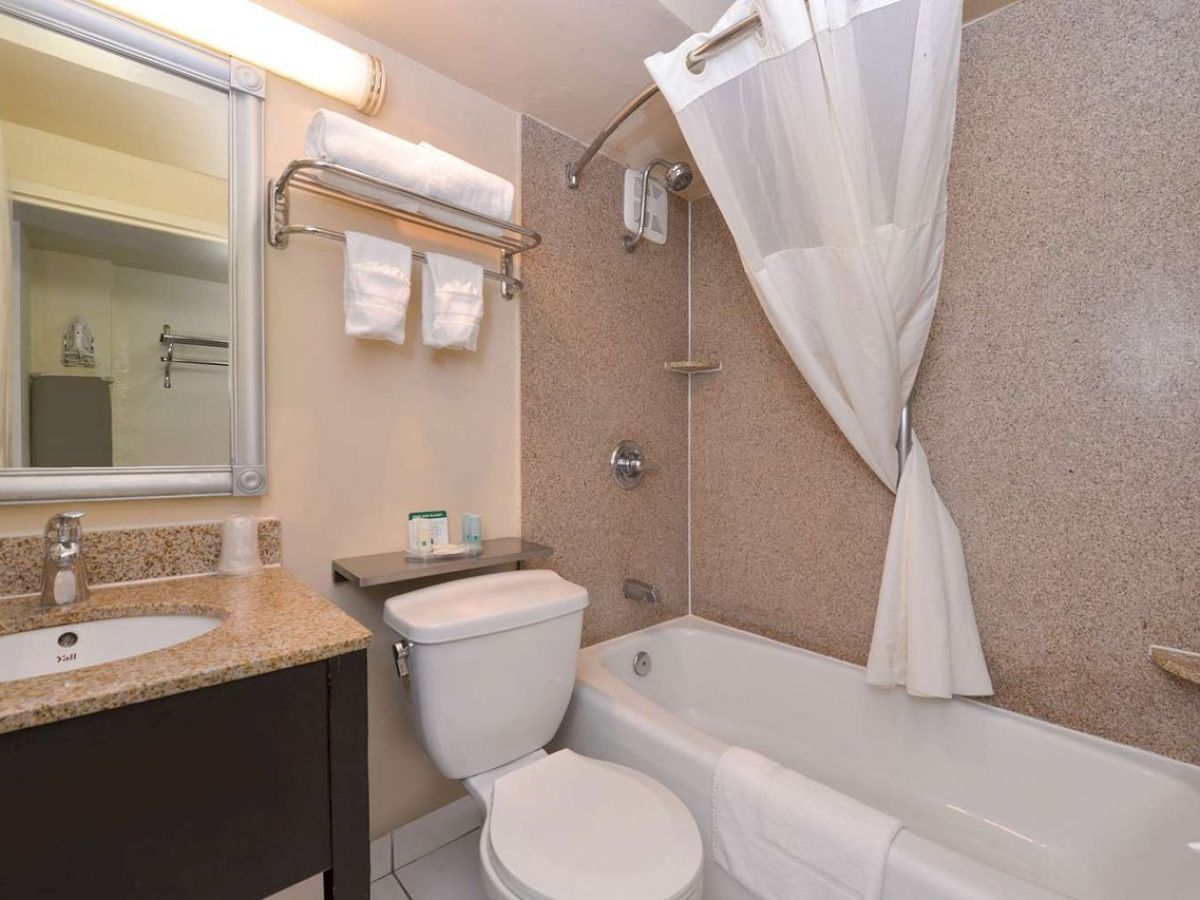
[640, 590]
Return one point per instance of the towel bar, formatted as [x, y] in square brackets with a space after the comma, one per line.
[509, 238]
[170, 338]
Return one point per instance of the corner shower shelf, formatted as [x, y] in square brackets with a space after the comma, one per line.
[392, 568]
[1180, 663]
[693, 366]
[328, 179]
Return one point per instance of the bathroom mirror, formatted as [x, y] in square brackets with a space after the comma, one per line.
[131, 348]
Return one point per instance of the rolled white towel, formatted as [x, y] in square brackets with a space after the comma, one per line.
[377, 288]
[451, 302]
[340, 139]
[453, 180]
[420, 168]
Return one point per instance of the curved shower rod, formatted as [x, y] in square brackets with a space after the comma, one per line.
[698, 55]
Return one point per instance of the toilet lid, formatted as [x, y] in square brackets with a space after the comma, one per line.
[573, 828]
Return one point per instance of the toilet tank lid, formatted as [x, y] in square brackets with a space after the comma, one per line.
[486, 604]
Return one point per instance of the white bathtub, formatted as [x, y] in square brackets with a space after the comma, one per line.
[994, 804]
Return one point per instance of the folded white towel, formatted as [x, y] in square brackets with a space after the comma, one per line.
[421, 168]
[451, 302]
[787, 837]
[378, 284]
[456, 181]
[339, 139]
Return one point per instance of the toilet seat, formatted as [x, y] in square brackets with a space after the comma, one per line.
[572, 828]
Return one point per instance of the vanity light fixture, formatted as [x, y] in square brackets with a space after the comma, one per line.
[263, 38]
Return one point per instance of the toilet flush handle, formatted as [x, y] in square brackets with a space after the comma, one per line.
[402, 650]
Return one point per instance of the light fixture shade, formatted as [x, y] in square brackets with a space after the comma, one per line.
[263, 38]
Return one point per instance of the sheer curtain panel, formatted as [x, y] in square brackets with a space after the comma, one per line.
[825, 139]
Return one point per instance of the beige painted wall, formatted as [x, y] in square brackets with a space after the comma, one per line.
[126, 308]
[360, 433]
[63, 285]
[187, 424]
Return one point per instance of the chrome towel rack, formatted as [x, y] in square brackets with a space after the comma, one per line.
[304, 174]
[170, 338]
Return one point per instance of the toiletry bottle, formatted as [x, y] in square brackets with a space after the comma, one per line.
[472, 531]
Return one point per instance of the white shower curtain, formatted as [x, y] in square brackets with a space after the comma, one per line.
[825, 139]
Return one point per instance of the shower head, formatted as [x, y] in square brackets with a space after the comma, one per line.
[678, 177]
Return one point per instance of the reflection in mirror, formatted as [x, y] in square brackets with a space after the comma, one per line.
[115, 225]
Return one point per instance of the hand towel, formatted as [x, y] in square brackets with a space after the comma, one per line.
[786, 837]
[456, 181]
[451, 302]
[340, 139]
[378, 284]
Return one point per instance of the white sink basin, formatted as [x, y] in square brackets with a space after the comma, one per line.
[65, 647]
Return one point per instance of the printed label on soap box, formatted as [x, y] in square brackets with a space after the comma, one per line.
[428, 529]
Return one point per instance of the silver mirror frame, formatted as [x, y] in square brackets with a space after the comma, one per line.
[246, 86]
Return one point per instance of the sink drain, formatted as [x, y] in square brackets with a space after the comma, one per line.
[67, 639]
[641, 663]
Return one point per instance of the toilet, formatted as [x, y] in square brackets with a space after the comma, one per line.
[489, 666]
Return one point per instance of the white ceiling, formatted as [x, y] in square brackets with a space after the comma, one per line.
[569, 63]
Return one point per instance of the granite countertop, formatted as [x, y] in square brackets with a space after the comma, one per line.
[271, 621]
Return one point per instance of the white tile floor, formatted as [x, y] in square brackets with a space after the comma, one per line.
[434, 858]
[448, 873]
[387, 888]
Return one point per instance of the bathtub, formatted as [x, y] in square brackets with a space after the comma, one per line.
[994, 804]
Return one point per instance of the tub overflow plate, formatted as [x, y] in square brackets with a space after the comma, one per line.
[641, 663]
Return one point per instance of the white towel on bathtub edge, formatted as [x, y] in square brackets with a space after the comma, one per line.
[786, 837]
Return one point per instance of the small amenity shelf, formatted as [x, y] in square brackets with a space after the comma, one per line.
[693, 366]
[385, 197]
[390, 568]
[1180, 663]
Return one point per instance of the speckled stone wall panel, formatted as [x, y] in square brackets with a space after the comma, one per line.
[1058, 400]
[788, 524]
[132, 554]
[597, 324]
[1060, 396]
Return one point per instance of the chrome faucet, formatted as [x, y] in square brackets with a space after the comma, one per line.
[64, 570]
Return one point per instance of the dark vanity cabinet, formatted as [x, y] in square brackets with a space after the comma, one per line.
[225, 792]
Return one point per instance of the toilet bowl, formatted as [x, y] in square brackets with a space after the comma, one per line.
[489, 664]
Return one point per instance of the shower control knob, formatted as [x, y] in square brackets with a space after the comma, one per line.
[629, 465]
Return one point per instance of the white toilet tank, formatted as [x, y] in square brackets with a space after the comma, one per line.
[492, 664]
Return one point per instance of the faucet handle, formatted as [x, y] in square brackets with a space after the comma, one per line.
[629, 465]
